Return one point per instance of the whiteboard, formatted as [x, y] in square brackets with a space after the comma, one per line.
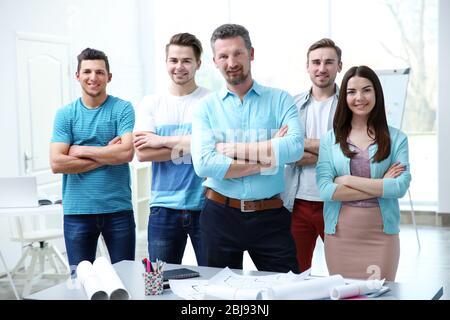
[395, 87]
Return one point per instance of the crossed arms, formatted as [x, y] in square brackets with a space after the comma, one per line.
[358, 188]
[311, 153]
[152, 147]
[394, 182]
[65, 158]
[249, 158]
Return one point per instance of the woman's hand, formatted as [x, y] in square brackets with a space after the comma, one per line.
[395, 170]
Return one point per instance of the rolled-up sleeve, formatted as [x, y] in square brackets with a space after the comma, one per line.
[325, 171]
[289, 148]
[206, 160]
[397, 187]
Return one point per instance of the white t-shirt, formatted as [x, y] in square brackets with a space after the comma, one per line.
[157, 110]
[317, 115]
[174, 183]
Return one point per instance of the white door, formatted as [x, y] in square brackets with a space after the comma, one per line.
[43, 76]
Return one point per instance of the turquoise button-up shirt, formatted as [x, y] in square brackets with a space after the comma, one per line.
[223, 117]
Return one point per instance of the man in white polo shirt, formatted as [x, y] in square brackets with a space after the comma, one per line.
[163, 135]
[316, 111]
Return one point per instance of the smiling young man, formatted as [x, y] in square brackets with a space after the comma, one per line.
[316, 109]
[91, 146]
[163, 136]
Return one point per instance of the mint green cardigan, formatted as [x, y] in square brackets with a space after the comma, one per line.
[333, 163]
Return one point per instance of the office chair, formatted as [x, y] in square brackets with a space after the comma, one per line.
[36, 242]
[8, 275]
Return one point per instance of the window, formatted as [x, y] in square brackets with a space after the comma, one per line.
[399, 34]
[384, 34]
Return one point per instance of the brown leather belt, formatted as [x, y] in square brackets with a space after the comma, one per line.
[244, 205]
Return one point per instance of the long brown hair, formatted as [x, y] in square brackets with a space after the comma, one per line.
[377, 117]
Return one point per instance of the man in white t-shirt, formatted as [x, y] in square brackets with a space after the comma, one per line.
[316, 111]
[163, 136]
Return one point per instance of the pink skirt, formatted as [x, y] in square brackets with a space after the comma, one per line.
[360, 249]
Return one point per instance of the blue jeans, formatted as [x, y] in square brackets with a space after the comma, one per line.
[81, 232]
[167, 234]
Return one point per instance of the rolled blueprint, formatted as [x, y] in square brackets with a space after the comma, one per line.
[356, 289]
[90, 281]
[100, 280]
[110, 280]
[317, 288]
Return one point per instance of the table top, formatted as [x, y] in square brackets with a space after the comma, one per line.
[45, 209]
[130, 272]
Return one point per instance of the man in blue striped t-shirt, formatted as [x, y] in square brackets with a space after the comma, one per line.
[91, 146]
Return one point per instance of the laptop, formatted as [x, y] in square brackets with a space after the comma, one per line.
[18, 192]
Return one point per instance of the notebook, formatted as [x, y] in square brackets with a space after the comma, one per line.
[18, 192]
[180, 273]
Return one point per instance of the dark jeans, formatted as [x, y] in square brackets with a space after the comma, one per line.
[266, 235]
[167, 234]
[81, 232]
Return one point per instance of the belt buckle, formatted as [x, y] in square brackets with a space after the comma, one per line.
[243, 207]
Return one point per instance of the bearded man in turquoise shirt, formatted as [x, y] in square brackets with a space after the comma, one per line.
[242, 136]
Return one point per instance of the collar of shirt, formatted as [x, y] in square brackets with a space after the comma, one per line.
[256, 88]
[308, 95]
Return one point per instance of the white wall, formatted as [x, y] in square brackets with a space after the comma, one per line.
[147, 44]
[443, 116]
[108, 25]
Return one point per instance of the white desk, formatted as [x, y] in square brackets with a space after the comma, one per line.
[48, 209]
[130, 272]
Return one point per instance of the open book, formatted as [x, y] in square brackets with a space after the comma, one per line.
[100, 281]
[45, 199]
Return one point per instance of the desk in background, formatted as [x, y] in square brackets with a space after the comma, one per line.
[130, 272]
[48, 209]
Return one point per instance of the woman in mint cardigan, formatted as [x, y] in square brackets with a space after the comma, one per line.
[362, 170]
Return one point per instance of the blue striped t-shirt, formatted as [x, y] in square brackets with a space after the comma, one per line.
[107, 188]
[174, 183]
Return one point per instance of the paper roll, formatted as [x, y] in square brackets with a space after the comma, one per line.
[90, 281]
[318, 288]
[345, 291]
[355, 289]
[110, 280]
[100, 280]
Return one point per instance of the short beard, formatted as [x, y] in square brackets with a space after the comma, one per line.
[238, 80]
[324, 85]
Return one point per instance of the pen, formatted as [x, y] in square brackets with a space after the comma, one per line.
[380, 293]
[144, 262]
[149, 266]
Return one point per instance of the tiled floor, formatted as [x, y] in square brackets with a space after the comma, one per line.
[430, 264]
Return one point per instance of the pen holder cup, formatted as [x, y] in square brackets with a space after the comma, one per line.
[153, 282]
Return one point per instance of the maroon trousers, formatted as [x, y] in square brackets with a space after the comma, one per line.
[306, 225]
